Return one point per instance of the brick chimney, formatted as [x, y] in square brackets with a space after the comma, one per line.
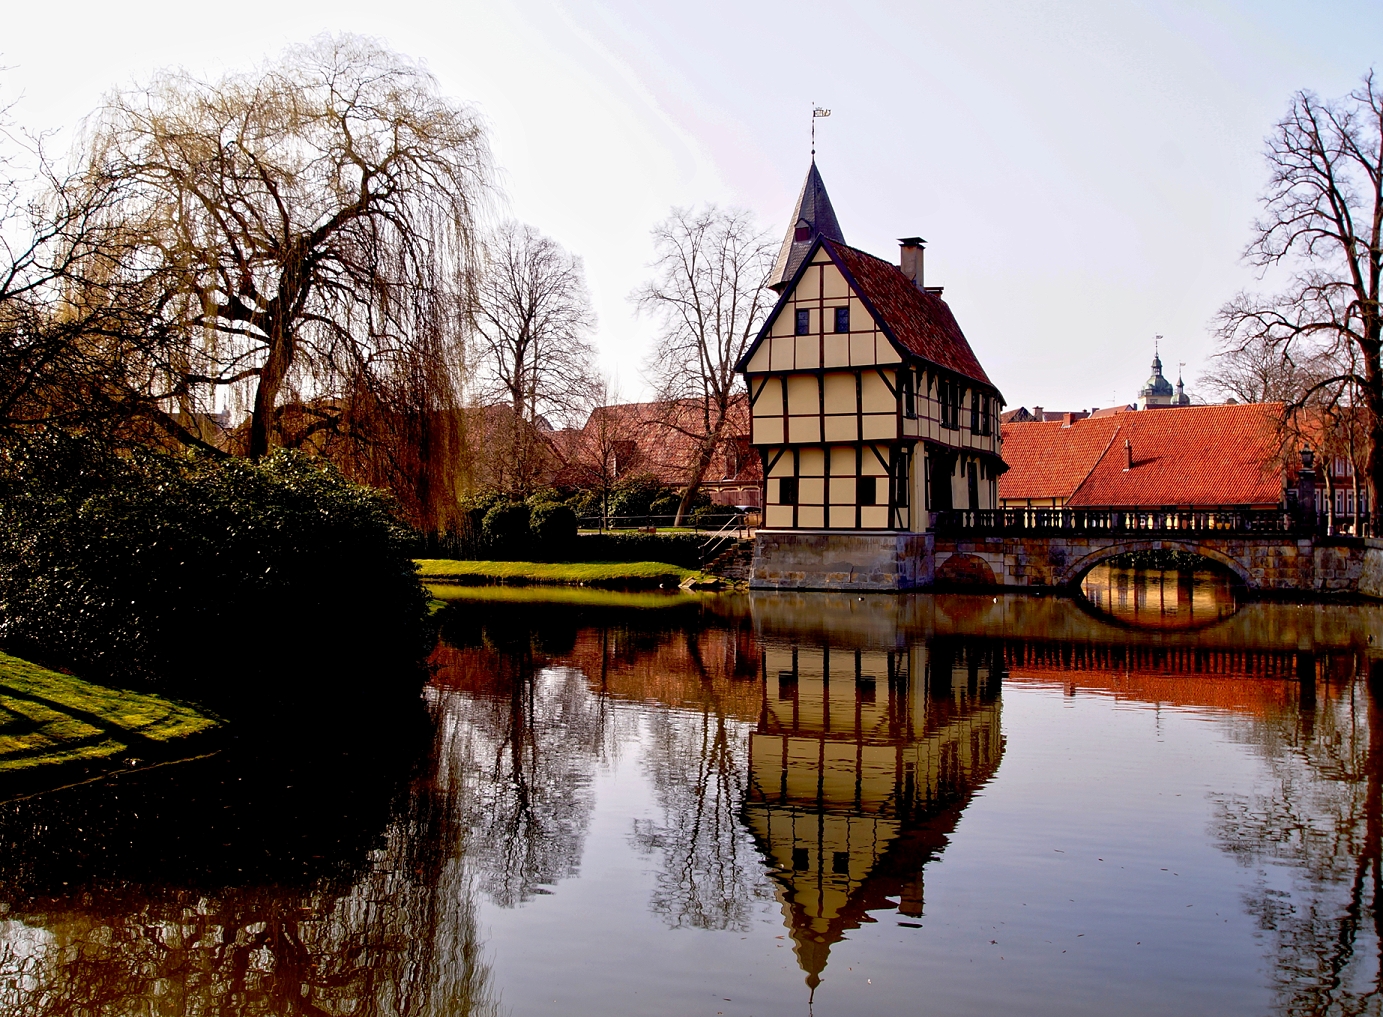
[1128, 454]
[910, 258]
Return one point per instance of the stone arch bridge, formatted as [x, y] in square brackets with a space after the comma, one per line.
[1265, 550]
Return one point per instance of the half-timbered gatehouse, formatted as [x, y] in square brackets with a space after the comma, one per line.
[869, 408]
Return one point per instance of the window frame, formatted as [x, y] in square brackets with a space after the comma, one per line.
[869, 483]
[802, 323]
[842, 317]
[950, 395]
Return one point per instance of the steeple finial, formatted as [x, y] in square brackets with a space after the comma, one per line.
[817, 111]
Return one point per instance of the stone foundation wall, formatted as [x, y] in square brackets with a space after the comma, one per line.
[835, 560]
[832, 560]
[1323, 565]
[1370, 582]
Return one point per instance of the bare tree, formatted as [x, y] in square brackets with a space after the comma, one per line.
[710, 295]
[303, 237]
[1254, 372]
[604, 448]
[1324, 221]
[533, 320]
[47, 229]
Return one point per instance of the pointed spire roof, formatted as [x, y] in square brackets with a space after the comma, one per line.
[812, 217]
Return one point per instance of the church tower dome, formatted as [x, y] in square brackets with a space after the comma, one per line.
[1158, 390]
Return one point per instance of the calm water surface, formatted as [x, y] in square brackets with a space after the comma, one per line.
[777, 804]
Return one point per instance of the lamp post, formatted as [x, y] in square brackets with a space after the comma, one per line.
[1306, 489]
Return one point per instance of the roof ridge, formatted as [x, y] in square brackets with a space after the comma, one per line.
[1098, 459]
[860, 250]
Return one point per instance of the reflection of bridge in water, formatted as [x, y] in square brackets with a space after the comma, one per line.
[860, 767]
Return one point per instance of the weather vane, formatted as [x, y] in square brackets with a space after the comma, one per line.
[817, 111]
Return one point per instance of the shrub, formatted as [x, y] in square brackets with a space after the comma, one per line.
[665, 504]
[554, 529]
[636, 495]
[505, 528]
[682, 549]
[710, 516]
[212, 578]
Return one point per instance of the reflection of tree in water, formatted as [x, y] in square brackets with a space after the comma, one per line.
[517, 768]
[711, 873]
[695, 756]
[390, 931]
[524, 737]
[1318, 823]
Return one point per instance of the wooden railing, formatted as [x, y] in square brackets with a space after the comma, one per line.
[1109, 522]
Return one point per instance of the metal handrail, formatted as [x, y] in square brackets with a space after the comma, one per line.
[732, 526]
[635, 521]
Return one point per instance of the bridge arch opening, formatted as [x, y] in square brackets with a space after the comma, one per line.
[1161, 587]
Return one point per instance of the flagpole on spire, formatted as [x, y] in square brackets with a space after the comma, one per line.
[817, 111]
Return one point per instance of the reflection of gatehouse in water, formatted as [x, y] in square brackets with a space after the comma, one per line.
[861, 765]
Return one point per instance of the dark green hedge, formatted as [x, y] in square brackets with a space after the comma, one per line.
[209, 578]
[682, 549]
[542, 529]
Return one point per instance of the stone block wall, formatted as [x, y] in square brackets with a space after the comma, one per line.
[1370, 582]
[832, 560]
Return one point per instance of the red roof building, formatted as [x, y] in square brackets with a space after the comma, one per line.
[1188, 456]
[660, 439]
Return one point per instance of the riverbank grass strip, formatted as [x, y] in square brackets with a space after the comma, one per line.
[577, 596]
[586, 573]
[47, 718]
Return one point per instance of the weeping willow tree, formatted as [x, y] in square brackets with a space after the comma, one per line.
[300, 242]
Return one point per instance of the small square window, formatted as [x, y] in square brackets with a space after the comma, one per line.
[842, 319]
[840, 863]
[802, 234]
[869, 490]
[804, 322]
[787, 491]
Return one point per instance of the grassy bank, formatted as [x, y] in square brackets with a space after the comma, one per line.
[51, 720]
[612, 575]
[572, 596]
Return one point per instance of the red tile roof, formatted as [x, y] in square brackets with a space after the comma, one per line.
[920, 322]
[1194, 455]
[1046, 460]
[653, 438]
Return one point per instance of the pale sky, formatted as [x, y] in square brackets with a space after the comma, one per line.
[1085, 174]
